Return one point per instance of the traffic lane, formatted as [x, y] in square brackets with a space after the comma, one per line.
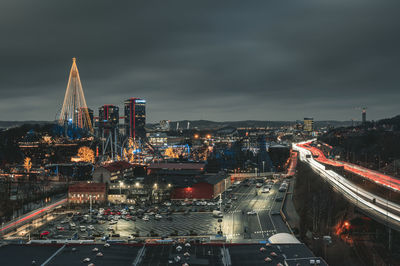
[252, 223]
[279, 224]
[235, 220]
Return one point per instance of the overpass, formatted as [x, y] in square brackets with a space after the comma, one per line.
[28, 217]
[380, 209]
[374, 176]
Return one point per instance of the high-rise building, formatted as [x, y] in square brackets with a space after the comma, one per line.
[108, 119]
[364, 115]
[308, 124]
[80, 117]
[135, 117]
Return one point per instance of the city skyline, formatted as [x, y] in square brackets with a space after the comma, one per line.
[204, 61]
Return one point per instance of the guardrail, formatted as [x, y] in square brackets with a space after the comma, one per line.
[351, 191]
[283, 214]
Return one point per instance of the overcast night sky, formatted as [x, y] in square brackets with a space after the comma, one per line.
[214, 60]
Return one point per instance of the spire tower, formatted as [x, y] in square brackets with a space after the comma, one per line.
[74, 110]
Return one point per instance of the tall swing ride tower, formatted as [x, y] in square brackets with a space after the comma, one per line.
[74, 111]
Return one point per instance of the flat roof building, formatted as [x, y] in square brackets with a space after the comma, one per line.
[135, 118]
[308, 124]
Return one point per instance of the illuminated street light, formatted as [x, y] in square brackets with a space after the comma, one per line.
[120, 187]
[196, 136]
[155, 185]
[137, 184]
[169, 185]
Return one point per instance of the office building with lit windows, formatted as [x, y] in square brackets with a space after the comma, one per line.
[135, 117]
[308, 124]
[108, 119]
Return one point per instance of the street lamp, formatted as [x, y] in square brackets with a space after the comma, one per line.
[120, 187]
[263, 166]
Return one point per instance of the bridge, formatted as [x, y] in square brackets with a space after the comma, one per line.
[28, 217]
[382, 210]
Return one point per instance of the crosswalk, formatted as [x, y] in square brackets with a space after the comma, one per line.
[265, 232]
[256, 210]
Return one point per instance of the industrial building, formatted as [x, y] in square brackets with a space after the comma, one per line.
[207, 186]
[135, 117]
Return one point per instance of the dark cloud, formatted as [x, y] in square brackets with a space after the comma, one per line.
[217, 60]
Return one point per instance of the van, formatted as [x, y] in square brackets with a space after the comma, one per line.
[82, 228]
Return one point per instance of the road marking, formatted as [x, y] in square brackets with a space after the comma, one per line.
[259, 222]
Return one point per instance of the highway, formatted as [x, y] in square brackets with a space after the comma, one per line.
[30, 216]
[379, 178]
[377, 207]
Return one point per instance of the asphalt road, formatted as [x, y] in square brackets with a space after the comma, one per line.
[265, 223]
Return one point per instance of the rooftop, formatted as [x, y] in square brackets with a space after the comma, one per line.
[159, 254]
[87, 187]
[178, 166]
[118, 166]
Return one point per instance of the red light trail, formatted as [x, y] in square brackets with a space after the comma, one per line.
[31, 215]
[379, 178]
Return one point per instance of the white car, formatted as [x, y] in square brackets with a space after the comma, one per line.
[167, 204]
[110, 228]
[158, 216]
[251, 213]
[145, 218]
[90, 227]
[113, 222]
[265, 190]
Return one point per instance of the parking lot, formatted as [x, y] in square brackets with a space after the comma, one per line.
[250, 210]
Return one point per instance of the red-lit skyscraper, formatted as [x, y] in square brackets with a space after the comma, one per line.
[135, 117]
[108, 119]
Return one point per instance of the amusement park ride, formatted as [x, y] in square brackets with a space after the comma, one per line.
[76, 116]
[74, 111]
